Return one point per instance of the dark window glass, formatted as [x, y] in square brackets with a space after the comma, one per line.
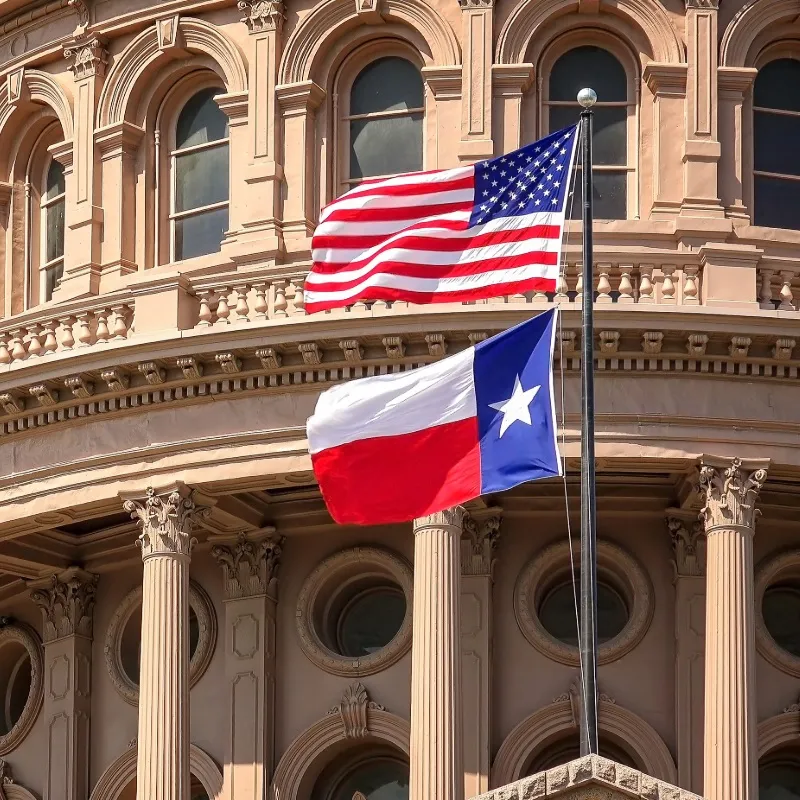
[201, 121]
[779, 781]
[52, 277]
[778, 85]
[569, 748]
[557, 613]
[385, 146]
[776, 136]
[370, 620]
[377, 779]
[202, 178]
[388, 84]
[588, 66]
[777, 202]
[781, 610]
[54, 236]
[610, 195]
[200, 233]
[15, 682]
[610, 132]
[55, 180]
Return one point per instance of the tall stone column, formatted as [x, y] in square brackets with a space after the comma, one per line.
[167, 519]
[436, 747]
[689, 547]
[481, 534]
[67, 604]
[730, 758]
[250, 565]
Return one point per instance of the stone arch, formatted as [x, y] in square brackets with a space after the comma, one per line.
[558, 719]
[13, 791]
[121, 772]
[753, 18]
[331, 18]
[528, 17]
[315, 747]
[32, 85]
[139, 57]
[778, 731]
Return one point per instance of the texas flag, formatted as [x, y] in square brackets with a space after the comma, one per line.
[396, 447]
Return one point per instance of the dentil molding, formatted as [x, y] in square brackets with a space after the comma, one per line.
[731, 488]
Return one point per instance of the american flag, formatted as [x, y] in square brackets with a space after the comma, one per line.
[452, 235]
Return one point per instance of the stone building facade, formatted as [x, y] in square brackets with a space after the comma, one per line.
[162, 165]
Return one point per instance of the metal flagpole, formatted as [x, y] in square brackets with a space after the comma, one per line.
[588, 616]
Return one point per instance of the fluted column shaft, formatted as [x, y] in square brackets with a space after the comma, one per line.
[162, 769]
[730, 754]
[436, 717]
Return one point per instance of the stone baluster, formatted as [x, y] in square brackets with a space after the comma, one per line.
[102, 334]
[646, 284]
[260, 306]
[250, 565]
[481, 535]
[242, 309]
[731, 488]
[67, 338]
[603, 284]
[786, 294]
[84, 329]
[689, 563]
[35, 348]
[280, 299]
[167, 519]
[50, 343]
[562, 287]
[18, 351]
[205, 316]
[668, 285]
[66, 601]
[691, 292]
[223, 309]
[625, 285]
[765, 293]
[436, 747]
[5, 354]
[120, 325]
[579, 286]
[299, 301]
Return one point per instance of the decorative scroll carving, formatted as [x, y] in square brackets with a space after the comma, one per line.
[652, 342]
[11, 404]
[478, 544]
[740, 346]
[262, 15]
[609, 342]
[703, 4]
[81, 8]
[192, 368]
[437, 345]
[116, 379]
[153, 374]
[395, 348]
[689, 546]
[731, 494]
[353, 351]
[67, 604]
[5, 778]
[696, 344]
[167, 521]
[250, 568]
[792, 709]
[229, 363]
[270, 358]
[466, 5]
[87, 57]
[783, 348]
[44, 394]
[79, 386]
[312, 355]
[353, 711]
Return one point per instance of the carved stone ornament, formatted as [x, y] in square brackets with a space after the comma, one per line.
[66, 603]
[793, 708]
[5, 778]
[450, 516]
[319, 594]
[312, 355]
[20, 633]
[615, 566]
[88, 57]
[270, 358]
[478, 544]
[437, 344]
[696, 344]
[702, 4]
[467, 5]
[395, 347]
[250, 568]
[609, 342]
[81, 8]
[689, 546]
[353, 711]
[730, 495]
[262, 15]
[652, 342]
[203, 609]
[167, 521]
[116, 379]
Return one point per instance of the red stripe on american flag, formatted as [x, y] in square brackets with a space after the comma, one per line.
[390, 214]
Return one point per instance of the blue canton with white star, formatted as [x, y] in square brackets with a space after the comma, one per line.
[534, 179]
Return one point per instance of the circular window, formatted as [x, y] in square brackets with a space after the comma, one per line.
[381, 775]
[779, 777]
[777, 600]
[21, 665]
[544, 603]
[557, 612]
[354, 611]
[123, 640]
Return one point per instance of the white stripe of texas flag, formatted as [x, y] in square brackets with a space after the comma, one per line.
[396, 404]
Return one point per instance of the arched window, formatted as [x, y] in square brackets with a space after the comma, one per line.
[567, 749]
[779, 775]
[383, 115]
[776, 130]
[200, 166]
[379, 774]
[53, 205]
[614, 114]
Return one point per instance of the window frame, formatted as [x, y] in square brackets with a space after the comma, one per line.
[166, 154]
[774, 52]
[341, 772]
[596, 37]
[350, 69]
[46, 203]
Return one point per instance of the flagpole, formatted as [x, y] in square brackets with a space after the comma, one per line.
[588, 616]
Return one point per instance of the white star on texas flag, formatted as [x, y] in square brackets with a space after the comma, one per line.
[517, 407]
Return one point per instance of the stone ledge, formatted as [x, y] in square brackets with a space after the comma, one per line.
[573, 779]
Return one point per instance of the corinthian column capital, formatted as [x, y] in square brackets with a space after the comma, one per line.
[480, 539]
[250, 563]
[731, 488]
[688, 544]
[262, 15]
[167, 520]
[66, 601]
[450, 517]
